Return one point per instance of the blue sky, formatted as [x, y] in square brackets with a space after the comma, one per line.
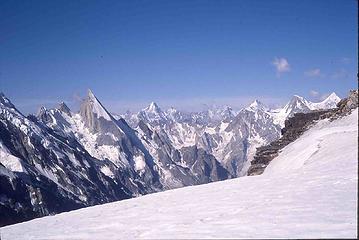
[177, 53]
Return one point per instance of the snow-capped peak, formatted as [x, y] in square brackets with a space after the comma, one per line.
[44, 115]
[256, 105]
[296, 99]
[64, 108]
[42, 110]
[296, 104]
[295, 96]
[153, 107]
[329, 102]
[333, 96]
[90, 94]
[152, 113]
[5, 102]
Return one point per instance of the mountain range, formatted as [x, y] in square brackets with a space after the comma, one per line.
[59, 160]
[308, 191]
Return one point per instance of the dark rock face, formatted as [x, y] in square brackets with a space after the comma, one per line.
[56, 178]
[64, 108]
[295, 127]
[185, 166]
[53, 173]
[26, 198]
[349, 103]
[96, 117]
[77, 182]
[248, 124]
[206, 167]
[47, 169]
[64, 161]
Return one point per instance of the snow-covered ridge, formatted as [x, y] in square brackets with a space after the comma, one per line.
[9, 161]
[234, 146]
[93, 157]
[329, 102]
[300, 104]
[308, 191]
[153, 112]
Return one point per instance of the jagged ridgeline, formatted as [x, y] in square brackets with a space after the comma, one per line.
[61, 160]
[295, 126]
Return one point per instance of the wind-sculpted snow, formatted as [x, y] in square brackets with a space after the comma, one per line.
[308, 191]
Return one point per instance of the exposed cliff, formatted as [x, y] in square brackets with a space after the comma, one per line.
[295, 127]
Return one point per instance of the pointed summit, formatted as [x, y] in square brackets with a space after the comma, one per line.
[6, 105]
[64, 108]
[90, 94]
[227, 114]
[333, 97]
[329, 102]
[92, 98]
[94, 114]
[44, 115]
[257, 105]
[295, 96]
[153, 107]
[41, 110]
[5, 102]
[152, 114]
[296, 99]
[93, 105]
[295, 105]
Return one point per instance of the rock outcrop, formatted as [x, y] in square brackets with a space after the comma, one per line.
[295, 127]
[347, 104]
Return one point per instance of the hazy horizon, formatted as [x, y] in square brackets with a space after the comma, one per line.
[185, 105]
[176, 53]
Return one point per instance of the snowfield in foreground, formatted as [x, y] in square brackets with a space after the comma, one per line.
[310, 190]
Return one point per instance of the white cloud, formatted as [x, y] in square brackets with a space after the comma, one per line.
[313, 73]
[281, 65]
[314, 93]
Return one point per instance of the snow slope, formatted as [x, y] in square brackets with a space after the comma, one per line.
[308, 191]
